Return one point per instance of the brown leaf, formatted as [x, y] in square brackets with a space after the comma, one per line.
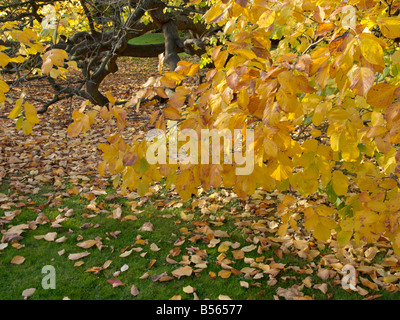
[87, 244]
[224, 274]
[18, 260]
[117, 213]
[182, 271]
[77, 256]
[134, 290]
[115, 282]
[28, 292]
[147, 226]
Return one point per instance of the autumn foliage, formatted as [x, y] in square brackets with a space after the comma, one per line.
[323, 105]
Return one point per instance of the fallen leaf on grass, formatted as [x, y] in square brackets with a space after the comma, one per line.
[77, 256]
[117, 213]
[151, 263]
[170, 261]
[28, 292]
[249, 248]
[147, 226]
[62, 239]
[134, 290]
[124, 268]
[95, 270]
[289, 293]
[244, 284]
[223, 297]
[322, 287]
[51, 236]
[182, 271]
[188, 289]
[18, 260]
[115, 282]
[107, 264]
[87, 244]
[126, 253]
[224, 274]
[154, 247]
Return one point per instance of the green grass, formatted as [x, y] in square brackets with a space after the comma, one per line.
[73, 282]
[153, 38]
[148, 38]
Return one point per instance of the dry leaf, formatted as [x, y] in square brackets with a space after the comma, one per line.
[182, 271]
[28, 292]
[154, 247]
[170, 261]
[125, 254]
[188, 289]
[62, 239]
[87, 244]
[144, 276]
[18, 260]
[322, 287]
[77, 256]
[51, 236]
[107, 264]
[124, 268]
[117, 213]
[134, 290]
[115, 282]
[224, 274]
[147, 226]
[289, 293]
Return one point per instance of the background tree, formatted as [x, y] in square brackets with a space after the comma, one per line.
[94, 34]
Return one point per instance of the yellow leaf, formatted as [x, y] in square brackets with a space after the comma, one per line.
[340, 183]
[224, 274]
[372, 51]
[267, 19]
[47, 66]
[110, 97]
[30, 113]
[343, 237]
[390, 27]
[4, 86]
[26, 127]
[74, 129]
[362, 80]
[172, 113]
[381, 95]
[17, 110]
[4, 59]
[223, 247]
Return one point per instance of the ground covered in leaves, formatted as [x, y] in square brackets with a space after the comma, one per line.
[56, 210]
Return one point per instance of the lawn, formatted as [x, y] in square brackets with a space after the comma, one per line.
[213, 241]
